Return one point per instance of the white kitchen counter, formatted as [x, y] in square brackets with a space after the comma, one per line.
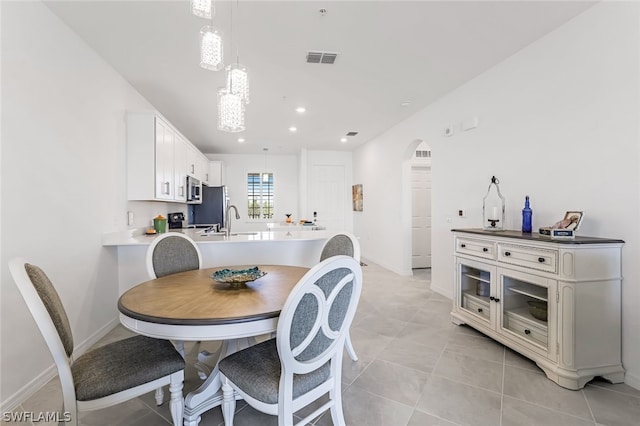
[295, 247]
[136, 237]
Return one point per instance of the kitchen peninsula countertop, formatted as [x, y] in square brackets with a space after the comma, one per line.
[136, 237]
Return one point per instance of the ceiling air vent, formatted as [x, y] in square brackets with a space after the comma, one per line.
[352, 133]
[321, 57]
[423, 154]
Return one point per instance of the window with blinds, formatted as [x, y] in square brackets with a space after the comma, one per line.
[260, 195]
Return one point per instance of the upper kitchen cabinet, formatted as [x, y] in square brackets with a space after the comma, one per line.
[156, 159]
[180, 153]
[192, 162]
[198, 166]
[214, 177]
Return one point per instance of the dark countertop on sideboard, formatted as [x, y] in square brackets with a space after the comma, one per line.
[537, 237]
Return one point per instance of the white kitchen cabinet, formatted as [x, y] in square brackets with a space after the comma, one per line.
[180, 150]
[214, 177]
[156, 159]
[203, 169]
[192, 160]
[500, 274]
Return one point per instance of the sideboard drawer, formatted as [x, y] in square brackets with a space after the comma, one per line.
[475, 305]
[525, 329]
[529, 257]
[473, 247]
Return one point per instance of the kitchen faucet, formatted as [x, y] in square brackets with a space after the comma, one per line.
[227, 227]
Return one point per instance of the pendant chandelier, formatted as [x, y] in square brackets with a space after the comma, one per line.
[230, 111]
[238, 81]
[211, 50]
[203, 8]
[233, 97]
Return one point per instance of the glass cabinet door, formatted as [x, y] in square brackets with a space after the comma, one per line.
[527, 304]
[475, 287]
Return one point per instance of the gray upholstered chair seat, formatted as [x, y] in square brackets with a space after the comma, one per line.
[122, 365]
[109, 375]
[256, 370]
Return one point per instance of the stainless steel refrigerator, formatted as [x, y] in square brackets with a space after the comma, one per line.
[212, 209]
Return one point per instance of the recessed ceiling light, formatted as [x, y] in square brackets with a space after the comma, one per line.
[343, 140]
[293, 129]
[301, 110]
[240, 140]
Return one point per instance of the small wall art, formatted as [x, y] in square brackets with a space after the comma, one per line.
[356, 192]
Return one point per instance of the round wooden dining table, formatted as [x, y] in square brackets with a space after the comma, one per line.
[191, 306]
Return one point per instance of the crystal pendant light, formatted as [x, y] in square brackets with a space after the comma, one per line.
[211, 49]
[238, 81]
[203, 8]
[230, 111]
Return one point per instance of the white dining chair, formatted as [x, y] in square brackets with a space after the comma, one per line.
[343, 243]
[171, 253]
[107, 375]
[304, 362]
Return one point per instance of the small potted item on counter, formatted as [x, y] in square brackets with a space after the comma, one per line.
[160, 224]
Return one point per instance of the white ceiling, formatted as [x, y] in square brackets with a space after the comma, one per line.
[389, 52]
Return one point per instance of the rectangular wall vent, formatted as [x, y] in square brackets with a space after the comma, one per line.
[352, 133]
[321, 57]
[423, 154]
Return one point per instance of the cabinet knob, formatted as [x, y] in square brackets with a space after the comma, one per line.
[507, 253]
[484, 249]
[541, 259]
[463, 245]
[492, 298]
[495, 299]
[527, 331]
[479, 309]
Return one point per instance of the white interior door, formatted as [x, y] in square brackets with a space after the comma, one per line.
[421, 216]
[328, 195]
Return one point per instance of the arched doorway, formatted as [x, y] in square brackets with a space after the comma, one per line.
[421, 207]
[411, 190]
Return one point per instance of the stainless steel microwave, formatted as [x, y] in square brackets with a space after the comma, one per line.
[194, 190]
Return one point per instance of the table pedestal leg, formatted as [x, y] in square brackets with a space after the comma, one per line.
[208, 395]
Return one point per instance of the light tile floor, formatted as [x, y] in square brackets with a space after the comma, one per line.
[416, 368]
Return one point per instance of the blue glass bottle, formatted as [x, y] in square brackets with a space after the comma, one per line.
[527, 213]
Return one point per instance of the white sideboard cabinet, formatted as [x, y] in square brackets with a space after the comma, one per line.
[556, 302]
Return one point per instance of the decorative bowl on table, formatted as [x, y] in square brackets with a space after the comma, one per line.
[238, 276]
[538, 309]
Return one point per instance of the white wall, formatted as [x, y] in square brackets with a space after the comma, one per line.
[63, 184]
[285, 182]
[558, 122]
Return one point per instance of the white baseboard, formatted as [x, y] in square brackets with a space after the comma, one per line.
[632, 380]
[443, 291]
[29, 389]
[51, 371]
[389, 267]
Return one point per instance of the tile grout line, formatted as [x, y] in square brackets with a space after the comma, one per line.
[504, 374]
[153, 410]
[588, 406]
[595, 385]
